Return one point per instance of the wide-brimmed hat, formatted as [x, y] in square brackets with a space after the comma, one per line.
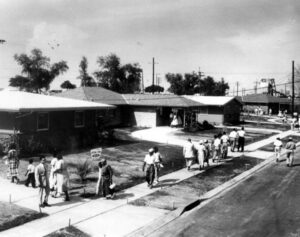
[151, 150]
[201, 142]
[290, 138]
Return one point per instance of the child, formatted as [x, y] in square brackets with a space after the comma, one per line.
[30, 174]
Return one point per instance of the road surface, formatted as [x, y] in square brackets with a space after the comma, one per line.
[266, 204]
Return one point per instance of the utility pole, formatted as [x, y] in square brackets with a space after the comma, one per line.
[255, 87]
[293, 86]
[153, 71]
[237, 88]
[142, 72]
[200, 74]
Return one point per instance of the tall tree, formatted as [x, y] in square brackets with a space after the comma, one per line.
[191, 83]
[86, 79]
[67, 85]
[37, 72]
[112, 75]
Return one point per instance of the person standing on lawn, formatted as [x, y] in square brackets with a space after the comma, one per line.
[52, 177]
[157, 164]
[13, 162]
[200, 154]
[293, 123]
[290, 149]
[241, 139]
[41, 181]
[233, 137]
[224, 145]
[277, 148]
[62, 178]
[149, 165]
[30, 174]
[189, 153]
[106, 179]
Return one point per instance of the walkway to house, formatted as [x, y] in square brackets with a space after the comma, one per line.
[98, 217]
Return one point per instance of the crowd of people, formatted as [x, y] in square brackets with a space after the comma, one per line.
[216, 150]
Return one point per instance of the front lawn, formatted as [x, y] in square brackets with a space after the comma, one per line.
[12, 215]
[68, 232]
[126, 159]
[189, 190]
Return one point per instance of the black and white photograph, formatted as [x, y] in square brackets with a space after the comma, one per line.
[149, 118]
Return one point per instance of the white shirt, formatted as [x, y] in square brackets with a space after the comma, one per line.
[224, 138]
[30, 168]
[241, 133]
[53, 163]
[233, 134]
[157, 157]
[217, 142]
[278, 143]
[149, 160]
[188, 150]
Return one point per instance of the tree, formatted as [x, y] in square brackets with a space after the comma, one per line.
[67, 85]
[191, 83]
[37, 72]
[113, 76]
[86, 79]
[154, 88]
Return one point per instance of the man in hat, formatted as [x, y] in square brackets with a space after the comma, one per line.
[277, 148]
[149, 165]
[290, 149]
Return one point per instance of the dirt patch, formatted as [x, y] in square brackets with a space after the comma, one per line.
[68, 232]
[187, 191]
[12, 215]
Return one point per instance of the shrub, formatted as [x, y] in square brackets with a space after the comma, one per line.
[83, 169]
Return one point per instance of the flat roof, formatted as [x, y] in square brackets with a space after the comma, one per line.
[211, 100]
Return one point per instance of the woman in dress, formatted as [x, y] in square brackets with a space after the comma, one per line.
[106, 179]
[13, 162]
[62, 178]
[52, 177]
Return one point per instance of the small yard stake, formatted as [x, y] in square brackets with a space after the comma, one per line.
[69, 222]
[127, 200]
[9, 198]
[40, 209]
[173, 205]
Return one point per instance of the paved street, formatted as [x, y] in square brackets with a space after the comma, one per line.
[266, 204]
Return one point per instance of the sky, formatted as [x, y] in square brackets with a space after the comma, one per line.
[238, 40]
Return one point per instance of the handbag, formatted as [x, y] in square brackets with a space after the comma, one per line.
[112, 186]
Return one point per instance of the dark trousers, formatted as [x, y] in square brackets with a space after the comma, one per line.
[30, 179]
[241, 143]
[105, 187]
[150, 174]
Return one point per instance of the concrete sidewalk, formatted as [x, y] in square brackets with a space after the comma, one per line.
[99, 217]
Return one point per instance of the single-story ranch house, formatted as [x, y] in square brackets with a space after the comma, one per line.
[151, 110]
[42, 122]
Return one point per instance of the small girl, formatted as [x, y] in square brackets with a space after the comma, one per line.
[30, 174]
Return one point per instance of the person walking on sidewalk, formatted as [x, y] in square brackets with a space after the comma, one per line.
[41, 180]
[207, 152]
[293, 123]
[157, 164]
[224, 145]
[217, 148]
[233, 137]
[30, 174]
[13, 162]
[241, 139]
[149, 165]
[189, 153]
[277, 148]
[200, 154]
[290, 149]
[52, 177]
[62, 177]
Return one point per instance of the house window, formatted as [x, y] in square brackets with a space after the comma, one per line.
[203, 110]
[79, 119]
[43, 121]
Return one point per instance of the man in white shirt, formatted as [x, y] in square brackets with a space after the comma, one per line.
[233, 136]
[224, 145]
[149, 164]
[217, 148]
[277, 148]
[241, 139]
[189, 153]
[157, 163]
